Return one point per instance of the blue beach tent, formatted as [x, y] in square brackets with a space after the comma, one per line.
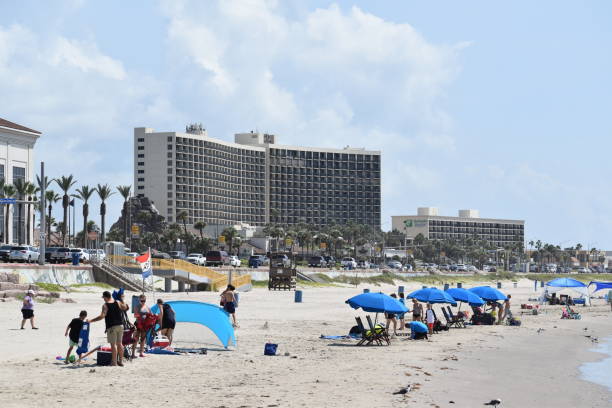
[377, 303]
[211, 316]
[601, 285]
[432, 295]
[464, 295]
[488, 293]
[565, 283]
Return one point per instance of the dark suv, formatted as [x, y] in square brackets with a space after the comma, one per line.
[317, 261]
[5, 251]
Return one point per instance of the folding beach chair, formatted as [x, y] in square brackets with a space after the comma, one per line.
[458, 321]
[380, 332]
[367, 336]
[438, 324]
[450, 321]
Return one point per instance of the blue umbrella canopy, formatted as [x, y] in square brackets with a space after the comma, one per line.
[432, 295]
[377, 303]
[488, 293]
[565, 283]
[464, 295]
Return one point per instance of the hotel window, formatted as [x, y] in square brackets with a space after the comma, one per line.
[141, 139]
[140, 147]
[18, 173]
[1, 171]
[141, 156]
[140, 171]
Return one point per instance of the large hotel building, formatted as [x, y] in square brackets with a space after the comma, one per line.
[468, 224]
[254, 181]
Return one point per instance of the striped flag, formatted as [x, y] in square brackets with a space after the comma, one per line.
[145, 264]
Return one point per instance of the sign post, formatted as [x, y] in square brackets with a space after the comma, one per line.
[43, 220]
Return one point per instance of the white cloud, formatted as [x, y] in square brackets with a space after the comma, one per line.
[86, 57]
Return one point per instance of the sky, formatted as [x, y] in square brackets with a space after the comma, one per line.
[497, 106]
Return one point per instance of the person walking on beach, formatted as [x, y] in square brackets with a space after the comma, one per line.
[73, 331]
[228, 301]
[400, 316]
[27, 309]
[167, 320]
[507, 312]
[111, 313]
[391, 318]
[430, 317]
[417, 311]
[143, 324]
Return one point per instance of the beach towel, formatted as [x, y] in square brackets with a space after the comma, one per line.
[162, 350]
[83, 343]
[349, 337]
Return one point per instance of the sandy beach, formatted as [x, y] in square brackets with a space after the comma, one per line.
[468, 366]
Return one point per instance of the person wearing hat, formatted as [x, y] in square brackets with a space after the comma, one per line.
[27, 309]
[111, 313]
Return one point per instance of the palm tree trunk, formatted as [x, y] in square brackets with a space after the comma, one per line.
[125, 221]
[102, 218]
[19, 221]
[6, 224]
[49, 226]
[85, 214]
[65, 205]
[29, 214]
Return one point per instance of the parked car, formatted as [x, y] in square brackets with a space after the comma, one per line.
[444, 267]
[23, 253]
[177, 254]
[256, 261]
[216, 258]
[159, 255]
[83, 256]
[461, 267]
[363, 265]
[62, 255]
[330, 261]
[471, 268]
[5, 251]
[582, 269]
[234, 261]
[452, 268]
[49, 252]
[196, 259]
[394, 265]
[349, 263]
[280, 260]
[96, 254]
[317, 262]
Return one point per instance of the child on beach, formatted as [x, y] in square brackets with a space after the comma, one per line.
[228, 301]
[429, 315]
[72, 331]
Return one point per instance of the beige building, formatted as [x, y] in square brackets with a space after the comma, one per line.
[16, 162]
[468, 224]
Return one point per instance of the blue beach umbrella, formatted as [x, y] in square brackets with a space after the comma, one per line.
[464, 295]
[377, 303]
[565, 283]
[432, 295]
[488, 293]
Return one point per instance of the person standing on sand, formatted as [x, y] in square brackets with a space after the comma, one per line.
[429, 315]
[507, 312]
[167, 320]
[391, 318]
[228, 301]
[400, 316]
[27, 309]
[141, 312]
[417, 311]
[74, 329]
[111, 313]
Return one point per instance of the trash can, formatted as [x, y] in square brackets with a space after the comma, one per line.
[498, 285]
[459, 284]
[446, 286]
[400, 289]
[541, 284]
[514, 283]
[424, 287]
[298, 296]
[366, 290]
[76, 258]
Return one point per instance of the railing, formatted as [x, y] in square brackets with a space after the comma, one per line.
[217, 279]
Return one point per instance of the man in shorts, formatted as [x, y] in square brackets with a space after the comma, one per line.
[111, 313]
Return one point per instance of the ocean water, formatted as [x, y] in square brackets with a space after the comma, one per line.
[599, 372]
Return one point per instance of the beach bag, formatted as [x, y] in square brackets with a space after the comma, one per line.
[354, 331]
[270, 349]
[514, 322]
[161, 341]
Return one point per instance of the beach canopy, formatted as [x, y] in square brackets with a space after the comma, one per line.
[601, 285]
[206, 314]
[488, 293]
[464, 295]
[432, 295]
[377, 303]
[565, 283]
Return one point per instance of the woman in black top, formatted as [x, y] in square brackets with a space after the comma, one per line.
[167, 319]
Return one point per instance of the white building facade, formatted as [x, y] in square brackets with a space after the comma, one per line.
[16, 162]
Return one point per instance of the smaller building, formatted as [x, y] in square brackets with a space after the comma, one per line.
[468, 224]
[17, 162]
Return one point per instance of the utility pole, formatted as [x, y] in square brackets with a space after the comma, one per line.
[43, 220]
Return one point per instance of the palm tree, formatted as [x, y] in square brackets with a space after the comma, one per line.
[200, 225]
[64, 183]
[183, 216]
[230, 235]
[104, 192]
[31, 191]
[125, 193]
[51, 197]
[84, 193]
[21, 189]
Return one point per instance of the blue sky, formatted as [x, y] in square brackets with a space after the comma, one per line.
[498, 107]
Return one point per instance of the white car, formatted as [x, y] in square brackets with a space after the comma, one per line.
[96, 254]
[23, 254]
[234, 261]
[461, 267]
[348, 263]
[83, 255]
[196, 259]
